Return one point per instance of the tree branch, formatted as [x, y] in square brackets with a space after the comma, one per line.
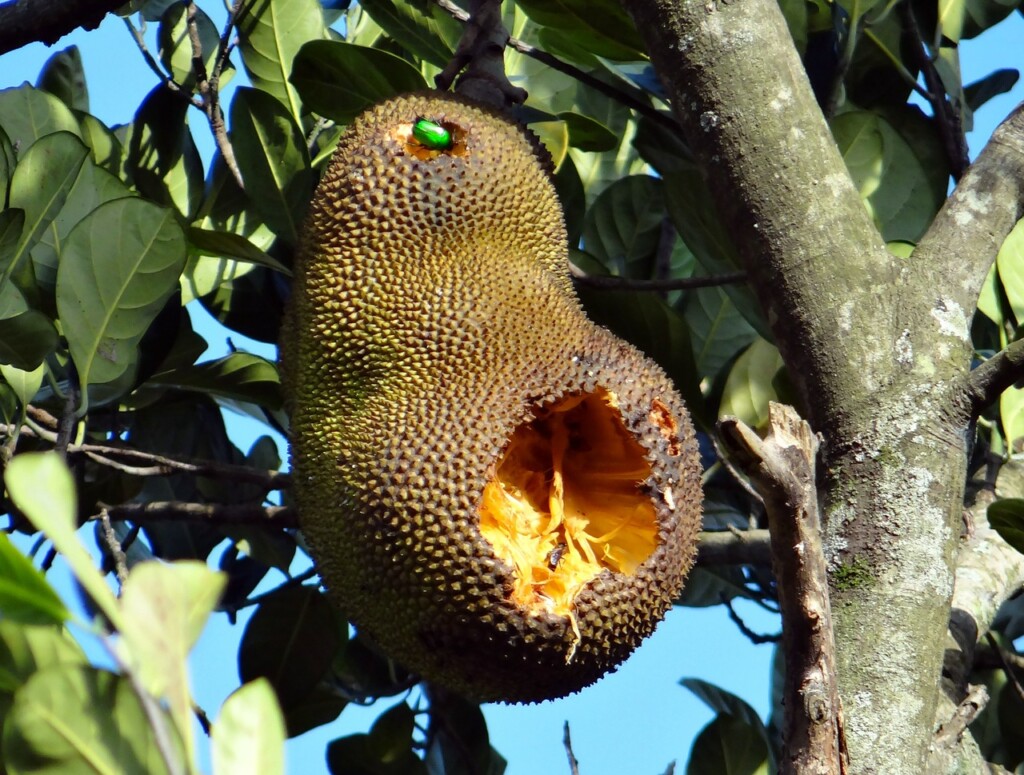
[47, 21]
[480, 57]
[966, 235]
[987, 382]
[214, 513]
[729, 547]
[782, 468]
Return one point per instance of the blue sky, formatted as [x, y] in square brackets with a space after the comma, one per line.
[634, 721]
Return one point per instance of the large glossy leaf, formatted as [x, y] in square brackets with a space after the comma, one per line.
[72, 719]
[248, 736]
[12, 225]
[239, 376]
[728, 746]
[120, 264]
[272, 157]
[104, 147]
[355, 755]
[1006, 516]
[165, 607]
[64, 78]
[26, 337]
[92, 187]
[271, 32]
[1010, 266]
[587, 134]
[25, 384]
[175, 46]
[228, 245]
[748, 388]
[624, 225]
[960, 19]
[27, 113]
[42, 181]
[8, 160]
[340, 80]
[25, 595]
[1011, 415]
[717, 330]
[890, 178]
[420, 27]
[26, 649]
[462, 745]
[291, 641]
[602, 26]
[162, 159]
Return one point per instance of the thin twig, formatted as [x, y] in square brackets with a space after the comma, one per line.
[948, 735]
[209, 85]
[742, 547]
[223, 514]
[752, 636]
[843, 65]
[608, 90]
[988, 381]
[946, 114]
[574, 765]
[68, 419]
[608, 283]
[114, 546]
[138, 35]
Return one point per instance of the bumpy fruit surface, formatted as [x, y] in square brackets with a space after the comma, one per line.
[501, 494]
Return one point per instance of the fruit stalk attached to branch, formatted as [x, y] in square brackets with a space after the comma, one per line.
[499, 492]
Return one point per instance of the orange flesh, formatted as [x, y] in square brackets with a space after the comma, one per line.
[564, 502]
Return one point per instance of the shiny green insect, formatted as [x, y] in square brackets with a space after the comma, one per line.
[430, 134]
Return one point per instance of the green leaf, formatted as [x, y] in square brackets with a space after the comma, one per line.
[228, 245]
[749, 388]
[291, 641]
[717, 330]
[1010, 266]
[728, 746]
[624, 225]
[340, 80]
[27, 113]
[25, 649]
[162, 160]
[959, 19]
[25, 595]
[723, 702]
[603, 25]
[165, 606]
[271, 33]
[25, 383]
[391, 734]
[26, 338]
[12, 225]
[587, 134]
[354, 755]
[64, 78]
[462, 745]
[554, 135]
[248, 736]
[1006, 516]
[421, 28]
[104, 147]
[1011, 416]
[40, 186]
[890, 179]
[992, 85]
[120, 265]
[8, 160]
[239, 376]
[41, 485]
[273, 160]
[76, 719]
[91, 188]
[175, 46]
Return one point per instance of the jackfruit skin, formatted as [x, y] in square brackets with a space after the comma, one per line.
[433, 313]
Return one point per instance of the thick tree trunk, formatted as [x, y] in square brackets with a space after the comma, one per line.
[878, 348]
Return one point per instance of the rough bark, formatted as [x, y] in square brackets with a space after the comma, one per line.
[878, 348]
[47, 21]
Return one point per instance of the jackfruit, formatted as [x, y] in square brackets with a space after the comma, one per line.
[502, 495]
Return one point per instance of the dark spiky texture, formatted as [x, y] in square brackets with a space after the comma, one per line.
[432, 315]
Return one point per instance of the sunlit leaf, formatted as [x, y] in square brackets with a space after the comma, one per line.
[1011, 415]
[272, 157]
[120, 264]
[423, 29]
[7, 162]
[25, 383]
[175, 46]
[1010, 266]
[41, 485]
[728, 746]
[27, 113]
[271, 32]
[555, 137]
[340, 80]
[1006, 516]
[248, 736]
[228, 245]
[104, 147]
[73, 719]
[25, 649]
[41, 184]
[25, 595]
[64, 78]
[240, 376]
[960, 19]
[748, 388]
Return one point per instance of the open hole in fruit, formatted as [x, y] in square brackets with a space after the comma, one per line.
[566, 501]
